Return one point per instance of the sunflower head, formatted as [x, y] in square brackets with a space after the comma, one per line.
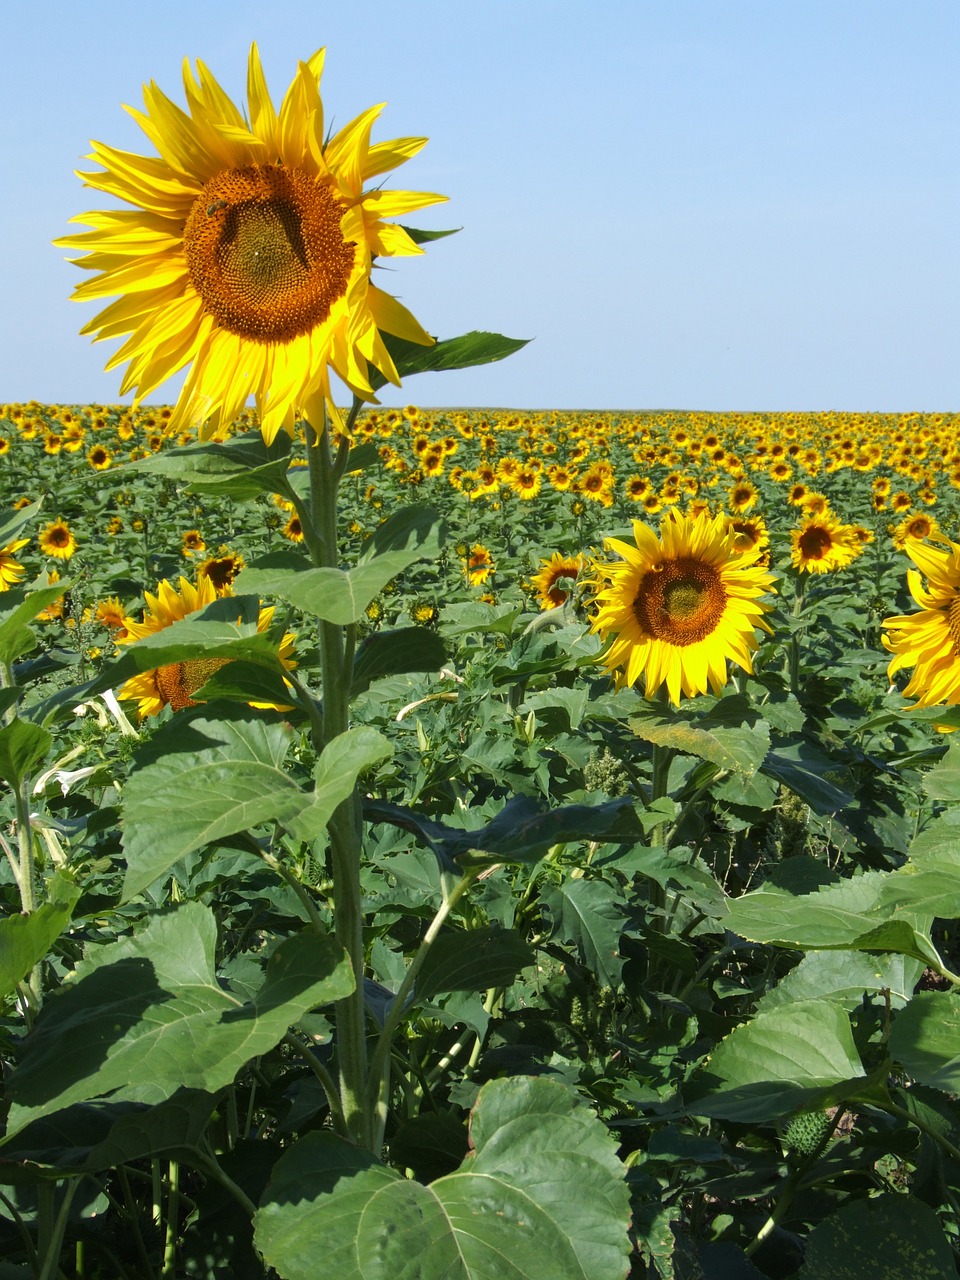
[175, 684]
[674, 609]
[558, 569]
[822, 544]
[246, 252]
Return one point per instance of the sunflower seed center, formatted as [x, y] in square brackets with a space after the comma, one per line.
[681, 601]
[265, 251]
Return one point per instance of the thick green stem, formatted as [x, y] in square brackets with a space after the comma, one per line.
[345, 827]
[793, 651]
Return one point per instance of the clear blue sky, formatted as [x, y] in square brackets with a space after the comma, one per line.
[699, 204]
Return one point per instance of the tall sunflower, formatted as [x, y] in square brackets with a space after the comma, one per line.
[247, 251]
[175, 684]
[929, 641]
[675, 608]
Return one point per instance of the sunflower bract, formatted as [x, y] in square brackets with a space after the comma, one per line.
[247, 250]
[675, 608]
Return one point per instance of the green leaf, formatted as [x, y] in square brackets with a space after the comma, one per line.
[592, 915]
[541, 1194]
[246, 682]
[868, 913]
[789, 1058]
[925, 1038]
[341, 596]
[739, 750]
[25, 940]
[103, 1135]
[843, 977]
[465, 352]
[943, 782]
[473, 960]
[149, 1008]
[240, 467]
[892, 1235]
[519, 832]
[802, 767]
[22, 746]
[392, 653]
[17, 521]
[198, 780]
[424, 237]
[18, 608]
[340, 765]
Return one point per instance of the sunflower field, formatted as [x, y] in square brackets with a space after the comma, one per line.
[457, 843]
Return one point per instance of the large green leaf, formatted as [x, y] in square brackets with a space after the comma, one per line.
[519, 833]
[803, 769]
[18, 608]
[201, 779]
[843, 976]
[797, 1056]
[240, 467]
[149, 1008]
[13, 524]
[22, 746]
[591, 915]
[925, 1039]
[25, 940]
[892, 1236]
[873, 912]
[390, 653]
[340, 765]
[341, 596]
[473, 960]
[740, 750]
[470, 349]
[541, 1194]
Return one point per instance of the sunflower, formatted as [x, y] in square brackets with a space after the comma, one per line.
[675, 608]
[919, 525]
[742, 497]
[192, 543]
[111, 614]
[10, 571]
[546, 583]
[221, 569]
[247, 252]
[478, 565]
[821, 544]
[58, 540]
[929, 641]
[174, 685]
[99, 457]
[293, 529]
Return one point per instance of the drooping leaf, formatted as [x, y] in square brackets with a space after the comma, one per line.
[13, 524]
[519, 833]
[149, 1008]
[803, 769]
[795, 1056]
[541, 1194]
[18, 608]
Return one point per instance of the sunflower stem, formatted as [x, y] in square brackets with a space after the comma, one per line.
[345, 827]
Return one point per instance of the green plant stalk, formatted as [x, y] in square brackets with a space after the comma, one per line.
[662, 759]
[53, 1242]
[345, 826]
[793, 649]
[380, 1061]
[327, 1082]
[171, 1227]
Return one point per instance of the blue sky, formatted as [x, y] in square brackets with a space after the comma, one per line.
[692, 204]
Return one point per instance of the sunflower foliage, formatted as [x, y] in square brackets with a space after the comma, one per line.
[470, 842]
